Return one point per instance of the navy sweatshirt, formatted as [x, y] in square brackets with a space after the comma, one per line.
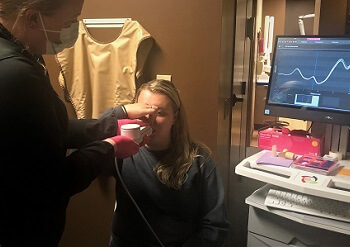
[193, 216]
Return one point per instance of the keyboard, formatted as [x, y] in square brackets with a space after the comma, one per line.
[308, 204]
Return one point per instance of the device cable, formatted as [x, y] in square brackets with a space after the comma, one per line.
[274, 124]
[308, 130]
[134, 202]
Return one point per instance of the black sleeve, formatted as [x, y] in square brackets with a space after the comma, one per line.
[213, 223]
[85, 164]
[84, 131]
[34, 128]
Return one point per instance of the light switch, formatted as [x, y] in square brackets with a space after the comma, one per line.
[164, 77]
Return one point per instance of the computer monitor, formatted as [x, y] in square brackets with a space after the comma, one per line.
[310, 79]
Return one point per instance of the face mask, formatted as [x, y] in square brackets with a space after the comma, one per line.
[68, 37]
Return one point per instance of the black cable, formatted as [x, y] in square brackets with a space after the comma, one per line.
[137, 207]
[308, 130]
[274, 124]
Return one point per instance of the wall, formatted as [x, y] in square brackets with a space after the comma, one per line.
[187, 34]
[295, 8]
[333, 17]
[188, 45]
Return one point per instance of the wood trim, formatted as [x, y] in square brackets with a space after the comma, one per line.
[317, 16]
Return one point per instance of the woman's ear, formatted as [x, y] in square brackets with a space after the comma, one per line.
[32, 18]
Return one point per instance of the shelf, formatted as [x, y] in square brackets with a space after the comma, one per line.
[335, 187]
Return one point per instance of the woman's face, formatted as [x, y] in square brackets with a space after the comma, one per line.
[61, 18]
[161, 136]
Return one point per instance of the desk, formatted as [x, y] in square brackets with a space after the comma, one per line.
[274, 227]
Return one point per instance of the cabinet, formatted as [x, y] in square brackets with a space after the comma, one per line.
[268, 229]
[274, 227]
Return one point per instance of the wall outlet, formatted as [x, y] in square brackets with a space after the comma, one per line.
[164, 77]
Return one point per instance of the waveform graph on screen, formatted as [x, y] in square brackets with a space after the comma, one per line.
[310, 79]
[322, 71]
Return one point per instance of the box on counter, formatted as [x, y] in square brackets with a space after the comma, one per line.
[294, 141]
[316, 164]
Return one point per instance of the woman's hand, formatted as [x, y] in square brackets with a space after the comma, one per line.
[142, 111]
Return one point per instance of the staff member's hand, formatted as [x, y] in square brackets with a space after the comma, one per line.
[142, 111]
[124, 146]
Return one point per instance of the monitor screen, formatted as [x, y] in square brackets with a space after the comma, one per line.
[310, 79]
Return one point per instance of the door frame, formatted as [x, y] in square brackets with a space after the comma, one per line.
[235, 68]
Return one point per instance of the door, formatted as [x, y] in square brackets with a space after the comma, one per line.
[242, 86]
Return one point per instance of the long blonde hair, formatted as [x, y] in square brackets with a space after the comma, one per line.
[172, 169]
[11, 9]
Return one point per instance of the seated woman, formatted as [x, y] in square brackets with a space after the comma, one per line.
[172, 179]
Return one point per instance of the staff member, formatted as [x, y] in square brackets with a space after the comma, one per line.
[37, 178]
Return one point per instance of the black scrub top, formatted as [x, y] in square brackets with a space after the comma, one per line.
[37, 177]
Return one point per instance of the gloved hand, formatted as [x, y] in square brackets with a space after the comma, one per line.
[129, 121]
[124, 146]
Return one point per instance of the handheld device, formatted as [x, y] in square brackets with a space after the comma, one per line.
[144, 130]
[135, 131]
